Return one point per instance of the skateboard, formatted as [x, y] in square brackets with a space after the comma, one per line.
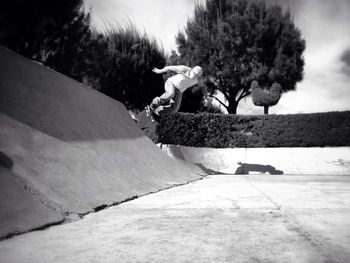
[150, 113]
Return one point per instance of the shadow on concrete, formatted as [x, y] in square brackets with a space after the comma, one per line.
[245, 168]
[5, 161]
[208, 171]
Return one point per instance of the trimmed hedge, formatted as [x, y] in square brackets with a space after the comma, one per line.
[225, 131]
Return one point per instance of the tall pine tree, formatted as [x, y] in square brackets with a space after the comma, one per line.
[239, 41]
[128, 75]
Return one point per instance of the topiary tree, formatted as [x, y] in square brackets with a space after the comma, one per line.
[267, 96]
[239, 41]
[128, 75]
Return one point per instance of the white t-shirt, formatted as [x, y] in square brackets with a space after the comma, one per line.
[183, 81]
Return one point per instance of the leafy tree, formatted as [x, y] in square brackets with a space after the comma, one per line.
[26, 26]
[73, 53]
[96, 61]
[239, 41]
[56, 33]
[128, 73]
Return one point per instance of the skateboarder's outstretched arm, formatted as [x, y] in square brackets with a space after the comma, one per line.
[177, 69]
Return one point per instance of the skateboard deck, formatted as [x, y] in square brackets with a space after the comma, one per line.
[150, 113]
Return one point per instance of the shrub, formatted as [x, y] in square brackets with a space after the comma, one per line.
[225, 131]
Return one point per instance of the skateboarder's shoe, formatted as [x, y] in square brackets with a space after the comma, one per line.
[155, 116]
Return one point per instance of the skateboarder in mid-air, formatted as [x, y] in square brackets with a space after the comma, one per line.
[169, 102]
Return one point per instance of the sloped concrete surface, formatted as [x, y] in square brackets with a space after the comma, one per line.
[20, 210]
[74, 148]
[222, 218]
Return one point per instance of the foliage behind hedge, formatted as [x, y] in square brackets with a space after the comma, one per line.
[224, 131]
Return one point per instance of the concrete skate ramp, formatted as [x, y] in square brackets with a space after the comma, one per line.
[70, 148]
[20, 209]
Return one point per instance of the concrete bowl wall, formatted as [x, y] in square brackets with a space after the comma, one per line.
[326, 160]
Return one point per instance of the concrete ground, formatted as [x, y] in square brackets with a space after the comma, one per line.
[222, 218]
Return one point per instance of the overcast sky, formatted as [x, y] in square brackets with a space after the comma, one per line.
[325, 25]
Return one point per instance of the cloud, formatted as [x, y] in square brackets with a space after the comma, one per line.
[345, 58]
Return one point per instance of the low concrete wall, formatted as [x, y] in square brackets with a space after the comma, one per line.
[327, 160]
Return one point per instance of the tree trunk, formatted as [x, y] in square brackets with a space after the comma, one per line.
[266, 109]
[232, 107]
